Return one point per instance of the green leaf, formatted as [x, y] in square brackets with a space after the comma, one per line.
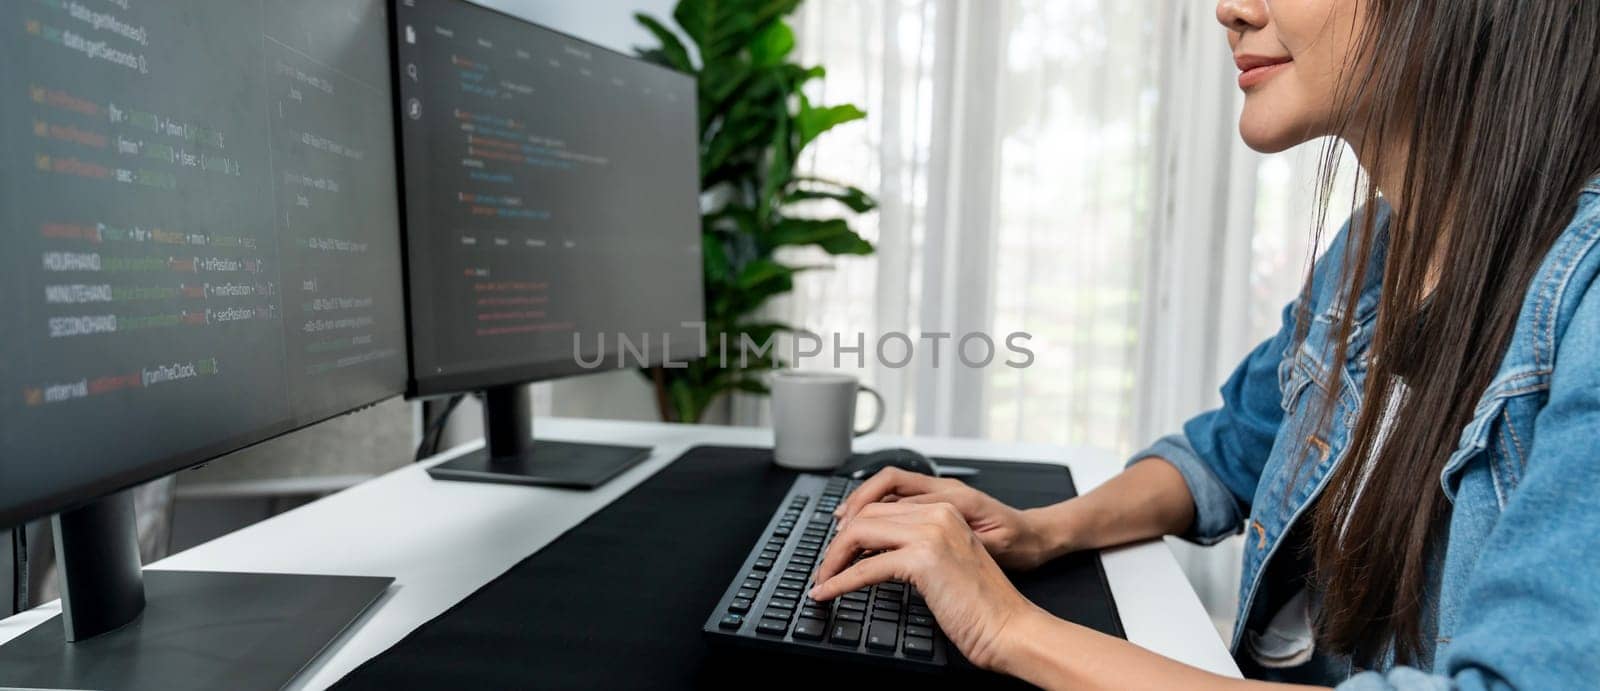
[852, 198]
[737, 136]
[697, 17]
[764, 272]
[684, 401]
[798, 75]
[812, 121]
[780, 168]
[723, 79]
[774, 9]
[772, 44]
[717, 267]
[672, 52]
[833, 235]
[846, 243]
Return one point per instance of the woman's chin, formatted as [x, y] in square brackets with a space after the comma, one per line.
[1270, 123]
[1269, 138]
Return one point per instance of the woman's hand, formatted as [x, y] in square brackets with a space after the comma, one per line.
[1017, 539]
[930, 547]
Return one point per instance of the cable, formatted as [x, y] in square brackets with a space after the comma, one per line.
[433, 431]
[19, 569]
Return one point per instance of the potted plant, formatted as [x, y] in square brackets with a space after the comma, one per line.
[755, 122]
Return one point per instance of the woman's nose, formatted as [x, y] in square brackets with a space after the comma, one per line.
[1242, 15]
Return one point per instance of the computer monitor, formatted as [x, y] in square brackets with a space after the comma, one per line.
[552, 223]
[201, 250]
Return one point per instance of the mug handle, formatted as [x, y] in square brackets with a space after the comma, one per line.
[877, 418]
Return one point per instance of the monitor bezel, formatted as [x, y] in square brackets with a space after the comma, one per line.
[436, 385]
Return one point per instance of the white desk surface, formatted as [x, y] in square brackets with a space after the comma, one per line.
[443, 540]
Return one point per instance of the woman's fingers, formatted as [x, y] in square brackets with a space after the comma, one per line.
[888, 481]
[885, 509]
[874, 569]
[862, 534]
[951, 497]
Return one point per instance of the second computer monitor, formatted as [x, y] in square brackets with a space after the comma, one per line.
[551, 200]
[552, 223]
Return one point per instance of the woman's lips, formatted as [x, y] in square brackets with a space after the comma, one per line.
[1255, 69]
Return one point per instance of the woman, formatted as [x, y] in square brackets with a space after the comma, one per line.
[1415, 457]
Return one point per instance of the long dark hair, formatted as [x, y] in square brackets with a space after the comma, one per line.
[1491, 108]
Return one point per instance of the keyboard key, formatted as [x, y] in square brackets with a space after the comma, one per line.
[922, 631]
[757, 576]
[751, 584]
[881, 635]
[891, 587]
[846, 634]
[782, 532]
[739, 606]
[745, 594]
[889, 605]
[853, 606]
[732, 621]
[786, 593]
[782, 603]
[792, 583]
[808, 629]
[764, 564]
[882, 615]
[775, 627]
[916, 646]
[854, 597]
[769, 555]
[920, 610]
[847, 615]
[814, 612]
[919, 619]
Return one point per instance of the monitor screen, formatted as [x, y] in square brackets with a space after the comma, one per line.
[551, 201]
[201, 243]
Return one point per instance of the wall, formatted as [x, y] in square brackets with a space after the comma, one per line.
[606, 22]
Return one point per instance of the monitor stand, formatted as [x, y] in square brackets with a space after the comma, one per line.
[125, 628]
[511, 456]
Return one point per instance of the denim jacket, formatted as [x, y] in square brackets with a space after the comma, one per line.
[1515, 600]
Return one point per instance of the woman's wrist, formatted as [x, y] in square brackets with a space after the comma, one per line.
[1018, 652]
[1054, 530]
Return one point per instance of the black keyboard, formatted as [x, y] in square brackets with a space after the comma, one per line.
[766, 604]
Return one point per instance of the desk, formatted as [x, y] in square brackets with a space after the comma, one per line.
[443, 540]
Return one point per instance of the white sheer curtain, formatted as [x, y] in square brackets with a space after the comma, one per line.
[1067, 168]
[1011, 146]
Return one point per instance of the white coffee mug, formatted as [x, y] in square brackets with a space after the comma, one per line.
[813, 418]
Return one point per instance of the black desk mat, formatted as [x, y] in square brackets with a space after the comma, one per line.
[617, 601]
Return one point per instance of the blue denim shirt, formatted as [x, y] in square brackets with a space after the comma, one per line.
[1516, 595]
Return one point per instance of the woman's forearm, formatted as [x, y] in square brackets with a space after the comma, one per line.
[1056, 654]
[1149, 499]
